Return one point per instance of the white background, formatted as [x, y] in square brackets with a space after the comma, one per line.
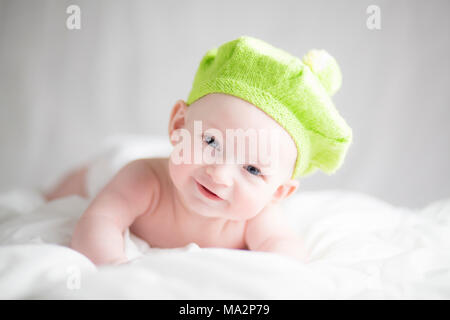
[62, 91]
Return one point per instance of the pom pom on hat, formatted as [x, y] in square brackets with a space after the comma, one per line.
[294, 93]
[325, 67]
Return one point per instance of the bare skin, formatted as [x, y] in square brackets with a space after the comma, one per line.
[171, 205]
[71, 184]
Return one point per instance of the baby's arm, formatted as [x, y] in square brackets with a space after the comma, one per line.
[268, 232]
[99, 232]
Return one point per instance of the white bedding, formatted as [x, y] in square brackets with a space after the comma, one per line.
[361, 248]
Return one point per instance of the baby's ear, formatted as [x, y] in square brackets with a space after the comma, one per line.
[285, 190]
[177, 117]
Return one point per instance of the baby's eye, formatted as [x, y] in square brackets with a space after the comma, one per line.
[253, 170]
[211, 141]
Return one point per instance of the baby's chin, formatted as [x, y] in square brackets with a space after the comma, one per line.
[207, 208]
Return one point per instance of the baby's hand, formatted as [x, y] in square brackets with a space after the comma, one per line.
[291, 247]
[268, 232]
[99, 238]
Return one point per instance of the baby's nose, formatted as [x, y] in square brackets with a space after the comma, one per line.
[220, 174]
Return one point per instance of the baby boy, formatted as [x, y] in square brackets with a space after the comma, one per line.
[211, 191]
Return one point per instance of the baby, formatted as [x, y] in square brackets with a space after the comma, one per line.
[243, 87]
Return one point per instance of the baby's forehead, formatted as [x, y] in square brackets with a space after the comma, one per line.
[233, 125]
[229, 112]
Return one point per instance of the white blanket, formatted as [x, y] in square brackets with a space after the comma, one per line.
[361, 247]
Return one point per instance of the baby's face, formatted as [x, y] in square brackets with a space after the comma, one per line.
[221, 179]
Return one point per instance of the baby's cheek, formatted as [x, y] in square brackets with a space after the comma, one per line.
[179, 171]
[250, 206]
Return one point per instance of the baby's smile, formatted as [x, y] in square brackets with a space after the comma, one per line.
[208, 193]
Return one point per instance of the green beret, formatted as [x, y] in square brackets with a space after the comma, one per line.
[295, 93]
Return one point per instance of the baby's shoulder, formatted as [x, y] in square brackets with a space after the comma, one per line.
[147, 169]
[159, 166]
[154, 170]
[268, 218]
[153, 174]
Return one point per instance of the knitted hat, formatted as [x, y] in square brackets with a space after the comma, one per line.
[295, 93]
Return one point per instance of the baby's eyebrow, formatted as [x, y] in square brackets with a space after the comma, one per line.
[258, 162]
[210, 125]
[263, 165]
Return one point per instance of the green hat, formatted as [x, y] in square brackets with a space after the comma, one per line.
[294, 93]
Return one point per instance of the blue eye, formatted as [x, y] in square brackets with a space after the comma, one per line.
[253, 170]
[211, 141]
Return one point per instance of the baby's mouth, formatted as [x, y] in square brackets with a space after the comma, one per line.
[207, 193]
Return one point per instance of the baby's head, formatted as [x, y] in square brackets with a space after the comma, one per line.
[278, 111]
